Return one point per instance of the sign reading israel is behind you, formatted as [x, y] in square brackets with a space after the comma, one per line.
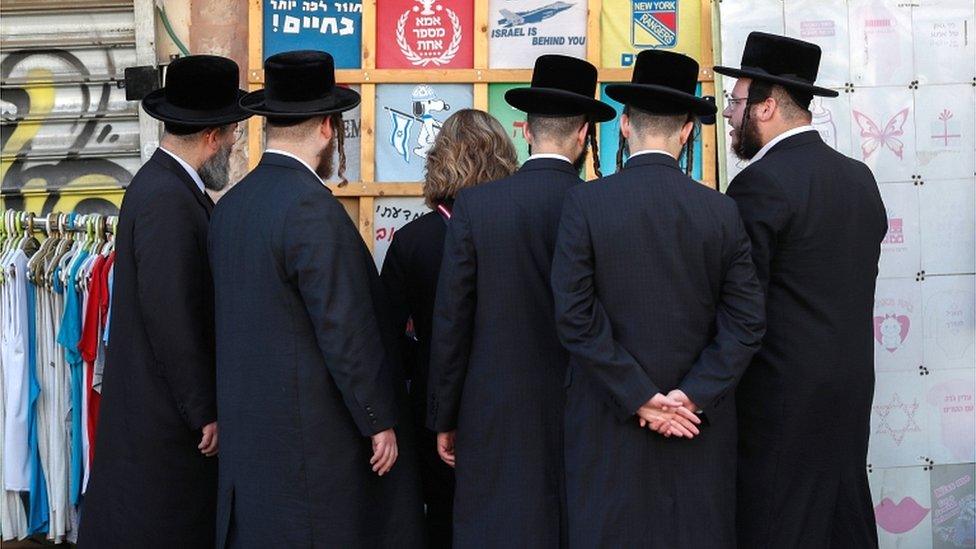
[522, 30]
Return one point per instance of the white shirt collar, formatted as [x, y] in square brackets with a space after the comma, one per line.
[772, 142]
[189, 169]
[649, 151]
[548, 155]
[290, 155]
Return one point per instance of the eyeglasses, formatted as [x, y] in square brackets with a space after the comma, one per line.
[730, 102]
[238, 132]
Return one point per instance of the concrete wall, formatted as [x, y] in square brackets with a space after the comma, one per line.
[217, 27]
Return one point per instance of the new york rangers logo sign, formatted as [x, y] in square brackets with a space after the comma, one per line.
[654, 23]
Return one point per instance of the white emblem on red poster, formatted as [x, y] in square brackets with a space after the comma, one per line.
[429, 34]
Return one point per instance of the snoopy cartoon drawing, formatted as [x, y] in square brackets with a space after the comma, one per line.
[425, 102]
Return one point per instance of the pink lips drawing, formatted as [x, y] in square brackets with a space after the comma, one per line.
[900, 518]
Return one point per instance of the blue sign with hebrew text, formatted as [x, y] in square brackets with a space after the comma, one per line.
[325, 25]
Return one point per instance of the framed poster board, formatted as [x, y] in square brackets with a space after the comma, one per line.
[416, 61]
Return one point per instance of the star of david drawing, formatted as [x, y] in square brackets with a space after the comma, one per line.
[891, 425]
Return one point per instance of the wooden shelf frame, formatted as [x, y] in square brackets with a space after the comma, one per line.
[479, 76]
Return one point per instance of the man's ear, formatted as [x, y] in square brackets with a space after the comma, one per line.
[766, 109]
[581, 134]
[686, 131]
[212, 137]
[526, 132]
[625, 126]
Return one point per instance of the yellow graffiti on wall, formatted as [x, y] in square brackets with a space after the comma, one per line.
[48, 158]
[90, 200]
[40, 90]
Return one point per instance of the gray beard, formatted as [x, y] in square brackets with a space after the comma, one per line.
[215, 172]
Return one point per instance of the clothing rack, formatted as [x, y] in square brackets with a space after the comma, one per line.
[15, 221]
[55, 285]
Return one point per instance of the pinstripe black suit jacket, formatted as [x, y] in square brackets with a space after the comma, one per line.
[304, 377]
[654, 290]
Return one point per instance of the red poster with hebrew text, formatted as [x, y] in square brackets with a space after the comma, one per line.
[424, 34]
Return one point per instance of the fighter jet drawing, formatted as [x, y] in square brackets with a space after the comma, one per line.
[532, 16]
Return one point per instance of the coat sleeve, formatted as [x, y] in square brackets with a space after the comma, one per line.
[453, 323]
[326, 260]
[740, 323]
[765, 213]
[394, 279]
[175, 297]
[581, 322]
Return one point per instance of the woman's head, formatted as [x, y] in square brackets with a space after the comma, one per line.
[471, 148]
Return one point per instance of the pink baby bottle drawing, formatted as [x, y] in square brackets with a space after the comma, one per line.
[824, 122]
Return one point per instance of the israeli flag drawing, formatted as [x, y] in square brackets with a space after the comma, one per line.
[401, 133]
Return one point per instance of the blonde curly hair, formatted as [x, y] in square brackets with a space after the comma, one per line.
[471, 148]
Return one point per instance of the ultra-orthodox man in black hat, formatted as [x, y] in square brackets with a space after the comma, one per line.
[314, 452]
[496, 365]
[154, 477]
[658, 303]
[816, 221]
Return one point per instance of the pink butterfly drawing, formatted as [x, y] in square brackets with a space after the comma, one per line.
[873, 137]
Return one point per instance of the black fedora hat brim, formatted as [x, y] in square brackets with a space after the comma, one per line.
[556, 102]
[652, 98]
[758, 74]
[339, 100]
[156, 106]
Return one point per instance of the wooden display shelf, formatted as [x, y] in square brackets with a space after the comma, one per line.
[480, 76]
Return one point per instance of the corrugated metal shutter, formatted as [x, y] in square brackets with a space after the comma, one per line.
[70, 140]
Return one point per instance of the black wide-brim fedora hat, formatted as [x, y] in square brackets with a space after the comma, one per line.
[663, 82]
[300, 84]
[200, 90]
[781, 60]
[561, 86]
